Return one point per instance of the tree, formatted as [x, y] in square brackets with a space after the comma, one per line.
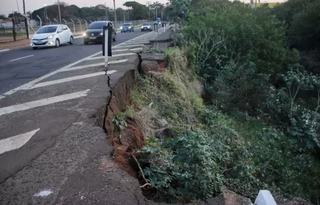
[139, 11]
[2, 16]
[15, 15]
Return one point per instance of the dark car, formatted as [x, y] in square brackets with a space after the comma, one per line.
[146, 27]
[94, 32]
[127, 27]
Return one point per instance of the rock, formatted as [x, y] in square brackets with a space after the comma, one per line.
[164, 133]
[155, 75]
[232, 198]
[147, 66]
[162, 123]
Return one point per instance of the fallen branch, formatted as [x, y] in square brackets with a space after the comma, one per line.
[143, 176]
[146, 184]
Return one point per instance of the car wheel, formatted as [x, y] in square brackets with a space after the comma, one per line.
[86, 42]
[57, 43]
[71, 40]
[35, 48]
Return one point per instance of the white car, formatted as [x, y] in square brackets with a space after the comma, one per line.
[52, 35]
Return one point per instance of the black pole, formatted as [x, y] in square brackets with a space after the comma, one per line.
[25, 19]
[14, 29]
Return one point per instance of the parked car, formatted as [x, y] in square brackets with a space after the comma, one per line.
[94, 32]
[127, 27]
[146, 27]
[52, 36]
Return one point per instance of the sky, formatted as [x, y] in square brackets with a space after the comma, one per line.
[7, 6]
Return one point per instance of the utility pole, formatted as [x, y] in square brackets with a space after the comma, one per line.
[59, 12]
[106, 11]
[25, 19]
[115, 13]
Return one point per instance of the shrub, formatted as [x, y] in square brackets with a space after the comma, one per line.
[247, 35]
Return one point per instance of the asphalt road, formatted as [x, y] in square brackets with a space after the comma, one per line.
[41, 94]
[14, 73]
[52, 148]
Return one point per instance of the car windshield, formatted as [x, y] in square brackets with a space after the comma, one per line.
[146, 24]
[126, 24]
[97, 25]
[47, 29]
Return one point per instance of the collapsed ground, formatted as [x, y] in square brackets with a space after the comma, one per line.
[236, 106]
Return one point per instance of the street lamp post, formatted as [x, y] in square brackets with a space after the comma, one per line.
[26, 19]
[115, 13]
[59, 12]
[46, 14]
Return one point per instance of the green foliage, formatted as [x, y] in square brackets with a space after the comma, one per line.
[179, 9]
[119, 121]
[241, 156]
[240, 87]
[302, 20]
[247, 35]
[139, 11]
[304, 32]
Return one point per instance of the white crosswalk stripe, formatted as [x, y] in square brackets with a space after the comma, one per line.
[43, 102]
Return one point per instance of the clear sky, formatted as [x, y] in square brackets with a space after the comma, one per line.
[7, 6]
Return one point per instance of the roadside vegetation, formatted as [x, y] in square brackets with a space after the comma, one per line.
[241, 106]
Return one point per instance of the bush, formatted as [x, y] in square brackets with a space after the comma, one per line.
[246, 35]
[302, 20]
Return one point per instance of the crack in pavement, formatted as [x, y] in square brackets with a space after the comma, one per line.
[109, 100]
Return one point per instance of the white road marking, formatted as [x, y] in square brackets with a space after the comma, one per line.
[78, 37]
[128, 49]
[43, 102]
[32, 83]
[15, 142]
[29, 56]
[129, 46]
[117, 55]
[4, 50]
[94, 65]
[64, 80]
[44, 193]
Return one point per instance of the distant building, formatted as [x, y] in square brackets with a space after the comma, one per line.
[6, 23]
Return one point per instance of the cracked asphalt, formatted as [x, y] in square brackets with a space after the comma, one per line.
[52, 148]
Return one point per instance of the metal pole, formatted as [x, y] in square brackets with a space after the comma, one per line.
[14, 29]
[106, 56]
[59, 12]
[86, 23]
[25, 19]
[46, 14]
[255, 6]
[115, 13]
[106, 12]
[40, 20]
[80, 25]
[65, 21]
[74, 27]
[55, 20]
[49, 20]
